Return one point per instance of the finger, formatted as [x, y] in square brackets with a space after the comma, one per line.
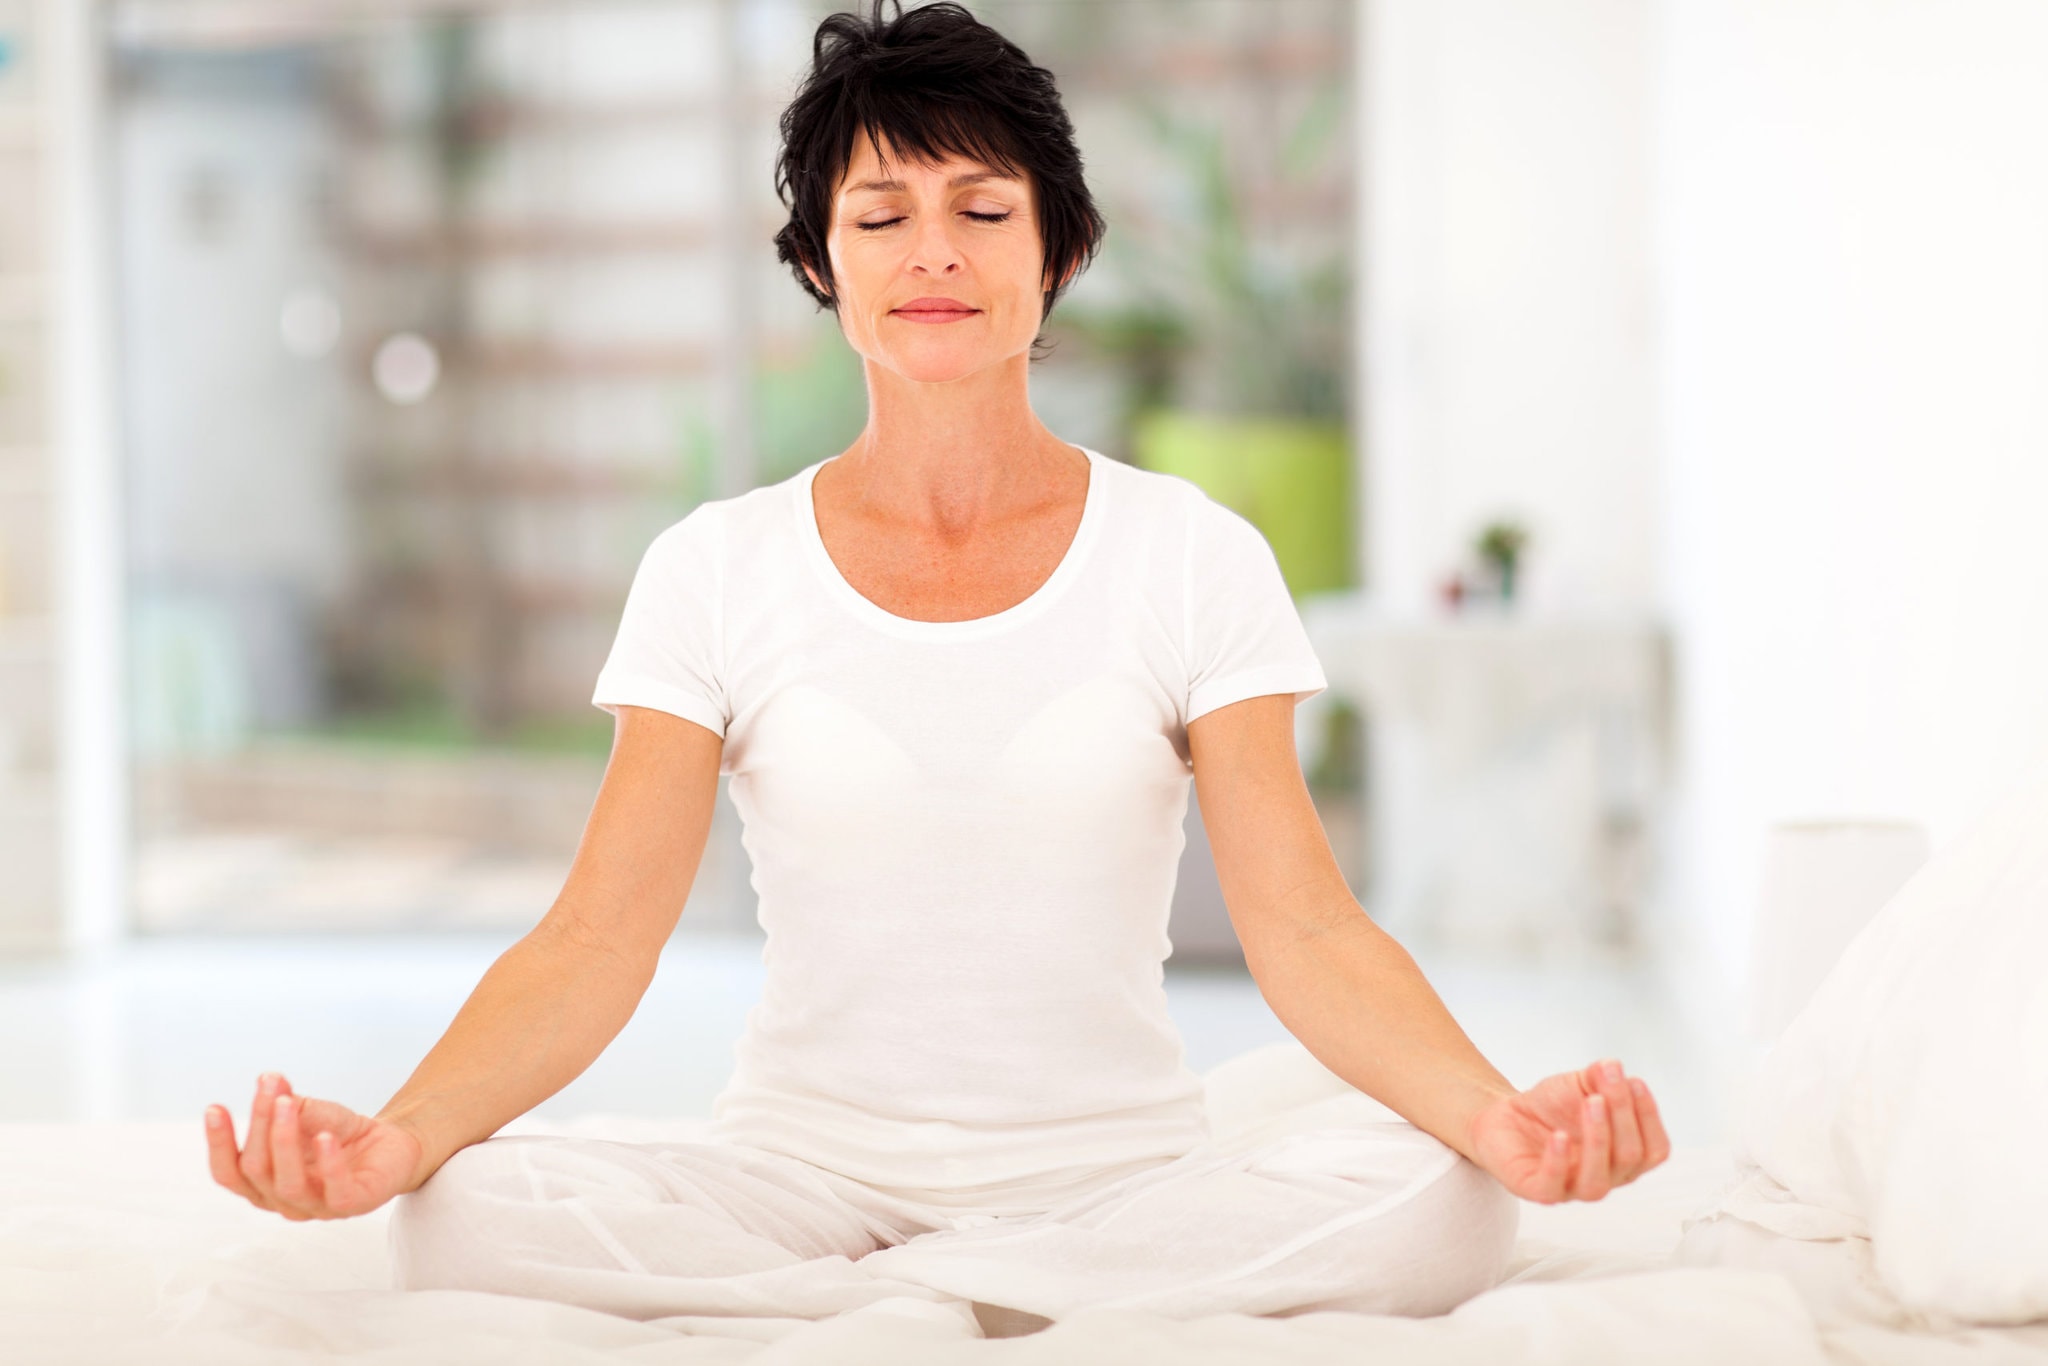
[1656, 1143]
[1590, 1182]
[256, 1152]
[1627, 1160]
[334, 1180]
[221, 1157]
[1554, 1172]
[288, 1159]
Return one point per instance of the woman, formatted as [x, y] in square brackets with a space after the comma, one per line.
[959, 674]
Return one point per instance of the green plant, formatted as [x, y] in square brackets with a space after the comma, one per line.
[1341, 766]
[808, 405]
[1500, 545]
[1268, 324]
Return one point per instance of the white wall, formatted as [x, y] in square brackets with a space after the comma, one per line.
[1852, 238]
[1504, 251]
[1745, 304]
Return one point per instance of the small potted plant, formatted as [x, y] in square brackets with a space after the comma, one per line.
[1500, 547]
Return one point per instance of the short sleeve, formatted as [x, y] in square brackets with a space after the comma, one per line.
[1244, 636]
[669, 650]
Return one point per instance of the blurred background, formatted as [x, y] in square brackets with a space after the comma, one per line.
[1644, 399]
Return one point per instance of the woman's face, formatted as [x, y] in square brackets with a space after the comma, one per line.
[938, 269]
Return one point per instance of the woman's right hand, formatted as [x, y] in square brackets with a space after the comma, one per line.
[310, 1159]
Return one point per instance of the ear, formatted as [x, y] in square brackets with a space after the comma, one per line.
[816, 283]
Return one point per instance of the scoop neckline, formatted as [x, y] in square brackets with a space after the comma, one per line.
[806, 508]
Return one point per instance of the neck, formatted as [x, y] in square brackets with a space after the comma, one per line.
[954, 453]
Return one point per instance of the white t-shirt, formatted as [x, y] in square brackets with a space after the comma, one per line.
[964, 834]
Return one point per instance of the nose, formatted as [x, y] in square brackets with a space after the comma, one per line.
[932, 249]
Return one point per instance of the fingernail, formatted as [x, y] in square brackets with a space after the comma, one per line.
[1612, 1071]
[281, 1104]
[1596, 1100]
[212, 1117]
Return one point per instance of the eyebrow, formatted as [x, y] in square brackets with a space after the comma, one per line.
[964, 178]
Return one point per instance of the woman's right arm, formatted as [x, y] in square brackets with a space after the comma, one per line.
[542, 1013]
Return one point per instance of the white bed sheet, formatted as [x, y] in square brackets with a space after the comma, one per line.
[116, 1247]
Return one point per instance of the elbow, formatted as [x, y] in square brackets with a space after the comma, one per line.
[1329, 929]
[563, 933]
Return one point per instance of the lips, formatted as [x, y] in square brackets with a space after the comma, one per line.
[935, 310]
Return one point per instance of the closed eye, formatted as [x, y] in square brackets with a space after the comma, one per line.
[891, 222]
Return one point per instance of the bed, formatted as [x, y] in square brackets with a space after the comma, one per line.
[116, 1247]
[1883, 1203]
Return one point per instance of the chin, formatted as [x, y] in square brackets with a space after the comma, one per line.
[940, 365]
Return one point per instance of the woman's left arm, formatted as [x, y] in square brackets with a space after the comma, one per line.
[1358, 1002]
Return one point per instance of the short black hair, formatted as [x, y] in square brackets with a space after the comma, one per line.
[935, 81]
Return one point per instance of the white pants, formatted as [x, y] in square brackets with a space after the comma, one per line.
[1379, 1218]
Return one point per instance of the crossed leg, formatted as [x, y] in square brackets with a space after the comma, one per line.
[1377, 1218]
[647, 1230]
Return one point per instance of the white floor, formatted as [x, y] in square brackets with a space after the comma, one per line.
[162, 1026]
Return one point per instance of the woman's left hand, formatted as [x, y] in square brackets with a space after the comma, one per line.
[1574, 1136]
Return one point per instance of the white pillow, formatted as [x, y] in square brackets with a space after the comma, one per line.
[1910, 1098]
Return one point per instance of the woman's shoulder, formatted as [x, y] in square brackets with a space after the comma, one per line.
[715, 526]
[1190, 510]
[1155, 493]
